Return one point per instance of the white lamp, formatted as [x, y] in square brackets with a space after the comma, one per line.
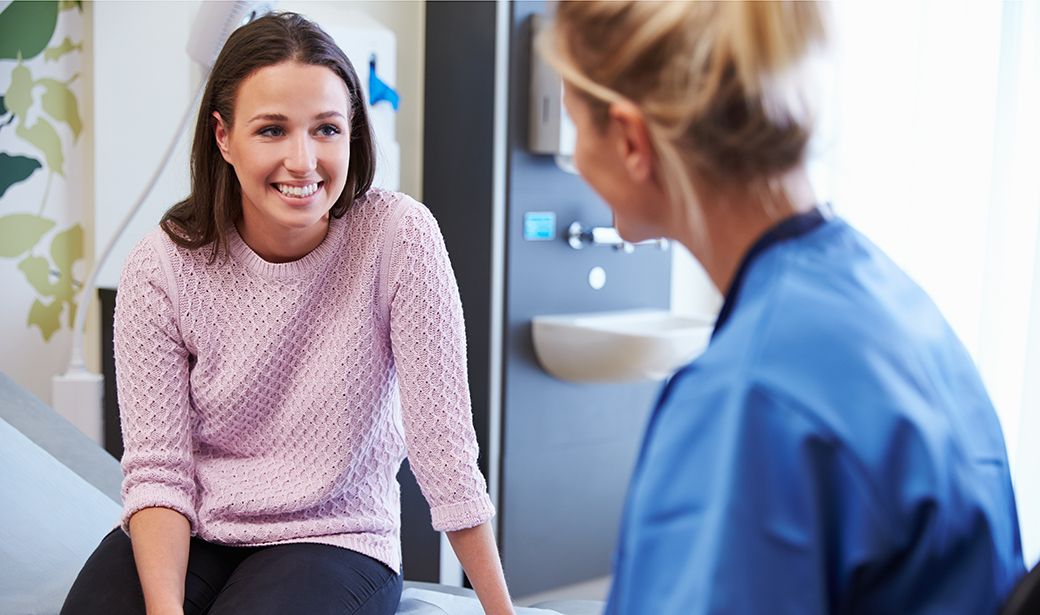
[77, 393]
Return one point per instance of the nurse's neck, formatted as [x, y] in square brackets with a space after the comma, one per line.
[734, 220]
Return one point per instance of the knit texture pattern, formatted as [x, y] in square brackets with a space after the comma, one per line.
[273, 403]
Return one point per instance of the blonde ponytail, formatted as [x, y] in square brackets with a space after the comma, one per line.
[771, 46]
[721, 84]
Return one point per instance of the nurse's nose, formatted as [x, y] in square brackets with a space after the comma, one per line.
[301, 157]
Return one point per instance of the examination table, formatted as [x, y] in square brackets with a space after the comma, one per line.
[60, 496]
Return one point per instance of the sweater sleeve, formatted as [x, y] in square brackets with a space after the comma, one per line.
[152, 380]
[429, 345]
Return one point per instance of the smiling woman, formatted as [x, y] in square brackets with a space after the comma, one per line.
[282, 342]
[290, 148]
[279, 85]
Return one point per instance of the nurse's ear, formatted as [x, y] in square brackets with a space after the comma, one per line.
[221, 134]
[632, 139]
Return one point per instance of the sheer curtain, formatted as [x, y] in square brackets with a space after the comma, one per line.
[930, 144]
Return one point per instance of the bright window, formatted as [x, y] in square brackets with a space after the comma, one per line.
[930, 144]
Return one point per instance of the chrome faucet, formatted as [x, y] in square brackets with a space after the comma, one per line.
[578, 236]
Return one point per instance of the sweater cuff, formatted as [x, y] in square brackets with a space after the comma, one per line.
[150, 495]
[463, 515]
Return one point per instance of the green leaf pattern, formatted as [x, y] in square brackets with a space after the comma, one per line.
[42, 109]
[14, 169]
[58, 285]
[26, 28]
[60, 103]
[20, 232]
[52, 54]
[38, 271]
[66, 249]
[44, 137]
[46, 317]
[19, 94]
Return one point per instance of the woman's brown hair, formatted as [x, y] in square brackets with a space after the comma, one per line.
[215, 201]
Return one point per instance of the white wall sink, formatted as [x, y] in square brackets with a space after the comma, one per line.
[618, 346]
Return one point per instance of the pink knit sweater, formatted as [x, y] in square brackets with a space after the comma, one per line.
[273, 403]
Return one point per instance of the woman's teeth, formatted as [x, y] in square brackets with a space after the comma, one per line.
[297, 191]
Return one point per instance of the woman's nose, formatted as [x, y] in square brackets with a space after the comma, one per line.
[300, 158]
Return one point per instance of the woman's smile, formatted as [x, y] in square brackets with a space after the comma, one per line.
[297, 194]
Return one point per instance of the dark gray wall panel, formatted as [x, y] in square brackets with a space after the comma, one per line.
[457, 173]
[568, 448]
[457, 183]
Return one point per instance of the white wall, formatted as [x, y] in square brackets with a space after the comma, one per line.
[692, 290]
[144, 81]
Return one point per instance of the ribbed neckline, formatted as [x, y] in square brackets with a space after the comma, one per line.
[300, 268]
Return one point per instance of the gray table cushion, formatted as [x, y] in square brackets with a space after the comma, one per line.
[573, 607]
[414, 605]
[50, 522]
[51, 432]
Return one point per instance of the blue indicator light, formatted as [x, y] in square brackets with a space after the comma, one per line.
[539, 226]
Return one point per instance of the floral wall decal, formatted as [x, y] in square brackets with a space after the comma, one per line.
[37, 108]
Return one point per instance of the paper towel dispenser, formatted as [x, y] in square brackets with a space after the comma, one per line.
[550, 129]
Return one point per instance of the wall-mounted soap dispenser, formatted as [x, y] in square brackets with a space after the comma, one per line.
[550, 130]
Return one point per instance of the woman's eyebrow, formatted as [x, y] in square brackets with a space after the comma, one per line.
[278, 117]
[269, 117]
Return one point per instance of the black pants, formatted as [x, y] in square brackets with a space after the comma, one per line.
[281, 579]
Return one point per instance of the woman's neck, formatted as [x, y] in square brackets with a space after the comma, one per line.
[282, 245]
[731, 223]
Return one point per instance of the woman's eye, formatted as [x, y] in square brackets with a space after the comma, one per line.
[328, 130]
[271, 131]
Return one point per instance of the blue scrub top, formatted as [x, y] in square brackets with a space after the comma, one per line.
[832, 451]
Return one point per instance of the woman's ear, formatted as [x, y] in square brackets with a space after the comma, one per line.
[632, 139]
[220, 133]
